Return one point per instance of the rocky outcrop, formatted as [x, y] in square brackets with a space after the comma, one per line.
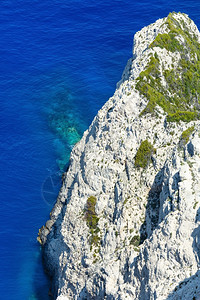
[126, 221]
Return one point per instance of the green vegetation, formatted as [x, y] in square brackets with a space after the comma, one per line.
[180, 97]
[195, 205]
[144, 154]
[91, 216]
[126, 200]
[135, 241]
[186, 135]
[185, 116]
[92, 220]
[167, 41]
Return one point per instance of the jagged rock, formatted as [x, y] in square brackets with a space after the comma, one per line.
[127, 230]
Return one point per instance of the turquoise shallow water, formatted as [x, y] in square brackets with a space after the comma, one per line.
[60, 62]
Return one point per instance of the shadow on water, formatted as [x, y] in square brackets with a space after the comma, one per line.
[41, 287]
[42, 281]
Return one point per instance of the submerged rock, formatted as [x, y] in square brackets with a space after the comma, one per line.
[126, 224]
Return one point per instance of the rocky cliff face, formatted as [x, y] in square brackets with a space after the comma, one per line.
[126, 224]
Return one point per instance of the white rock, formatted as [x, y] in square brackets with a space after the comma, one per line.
[159, 204]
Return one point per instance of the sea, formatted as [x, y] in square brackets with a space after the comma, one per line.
[60, 62]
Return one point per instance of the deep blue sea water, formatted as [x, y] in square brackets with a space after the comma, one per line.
[60, 61]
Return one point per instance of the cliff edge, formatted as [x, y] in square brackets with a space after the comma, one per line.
[126, 224]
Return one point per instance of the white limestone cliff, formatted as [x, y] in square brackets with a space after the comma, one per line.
[145, 239]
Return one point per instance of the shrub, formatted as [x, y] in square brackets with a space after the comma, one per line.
[185, 116]
[144, 154]
[186, 135]
[180, 97]
[91, 217]
[135, 241]
[167, 41]
[92, 220]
